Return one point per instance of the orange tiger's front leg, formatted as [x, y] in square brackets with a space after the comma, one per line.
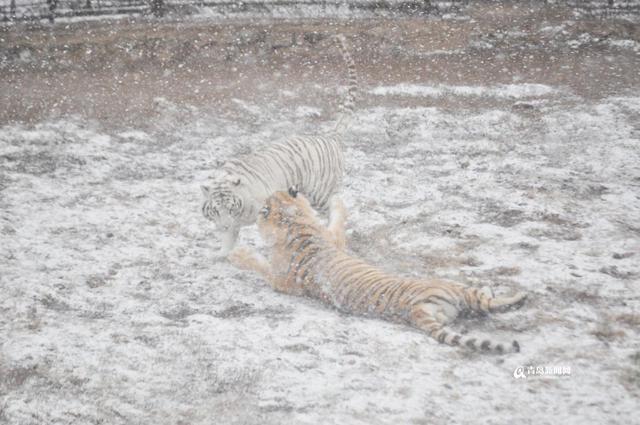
[248, 259]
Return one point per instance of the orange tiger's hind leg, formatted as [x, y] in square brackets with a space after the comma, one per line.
[482, 300]
[507, 303]
[431, 319]
[337, 220]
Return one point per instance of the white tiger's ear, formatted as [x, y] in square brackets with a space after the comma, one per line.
[293, 191]
[236, 182]
[205, 191]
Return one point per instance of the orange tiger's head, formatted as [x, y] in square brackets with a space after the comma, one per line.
[281, 213]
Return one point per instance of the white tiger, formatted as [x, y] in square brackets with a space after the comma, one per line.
[313, 163]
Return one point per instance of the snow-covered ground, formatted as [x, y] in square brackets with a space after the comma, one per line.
[114, 306]
[115, 309]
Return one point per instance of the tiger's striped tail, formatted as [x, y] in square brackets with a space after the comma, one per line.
[422, 319]
[348, 103]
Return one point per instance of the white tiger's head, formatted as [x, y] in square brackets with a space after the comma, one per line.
[223, 204]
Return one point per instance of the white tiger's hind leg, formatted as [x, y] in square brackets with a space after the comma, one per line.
[337, 220]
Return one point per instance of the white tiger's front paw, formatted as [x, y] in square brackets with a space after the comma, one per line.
[219, 258]
[228, 240]
[224, 251]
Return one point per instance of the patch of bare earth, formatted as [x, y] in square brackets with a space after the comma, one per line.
[114, 307]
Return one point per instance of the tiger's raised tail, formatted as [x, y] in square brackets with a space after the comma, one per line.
[348, 102]
[423, 319]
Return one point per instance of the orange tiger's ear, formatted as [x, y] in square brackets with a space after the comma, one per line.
[293, 191]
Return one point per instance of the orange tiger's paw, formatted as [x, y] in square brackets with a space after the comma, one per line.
[240, 256]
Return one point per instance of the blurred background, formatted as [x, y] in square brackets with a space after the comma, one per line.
[26, 10]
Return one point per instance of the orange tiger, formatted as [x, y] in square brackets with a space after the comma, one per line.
[309, 259]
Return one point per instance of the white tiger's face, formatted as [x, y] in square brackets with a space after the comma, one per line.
[222, 204]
